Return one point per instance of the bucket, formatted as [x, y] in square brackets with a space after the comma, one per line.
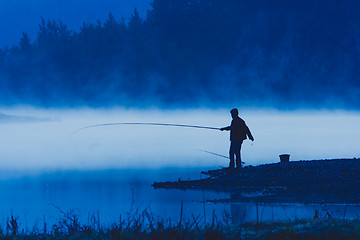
[284, 157]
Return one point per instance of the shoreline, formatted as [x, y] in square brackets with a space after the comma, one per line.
[312, 181]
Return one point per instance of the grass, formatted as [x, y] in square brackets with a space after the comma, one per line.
[143, 225]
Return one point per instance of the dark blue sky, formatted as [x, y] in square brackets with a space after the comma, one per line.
[17, 16]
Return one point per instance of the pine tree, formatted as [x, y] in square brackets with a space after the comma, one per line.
[25, 44]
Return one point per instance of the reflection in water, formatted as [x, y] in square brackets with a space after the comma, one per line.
[253, 211]
[109, 194]
[262, 212]
[238, 213]
[245, 210]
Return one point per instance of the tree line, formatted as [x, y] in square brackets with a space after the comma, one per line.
[191, 53]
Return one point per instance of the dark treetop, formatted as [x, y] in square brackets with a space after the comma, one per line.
[186, 53]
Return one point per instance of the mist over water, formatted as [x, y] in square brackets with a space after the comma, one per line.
[108, 171]
[46, 144]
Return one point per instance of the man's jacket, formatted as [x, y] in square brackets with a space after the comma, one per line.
[238, 130]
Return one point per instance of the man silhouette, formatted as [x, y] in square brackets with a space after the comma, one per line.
[238, 133]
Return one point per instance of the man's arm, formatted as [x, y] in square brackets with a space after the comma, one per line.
[228, 128]
[249, 134]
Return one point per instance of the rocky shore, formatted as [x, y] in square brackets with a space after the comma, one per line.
[316, 181]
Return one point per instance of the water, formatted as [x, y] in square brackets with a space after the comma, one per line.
[107, 195]
[108, 172]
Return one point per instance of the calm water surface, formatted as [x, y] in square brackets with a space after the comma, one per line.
[111, 194]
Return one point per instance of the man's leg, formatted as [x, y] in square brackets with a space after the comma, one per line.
[238, 154]
[231, 154]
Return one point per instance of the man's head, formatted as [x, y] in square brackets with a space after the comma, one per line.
[234, 113]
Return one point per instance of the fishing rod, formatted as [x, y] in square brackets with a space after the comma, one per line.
[142, 123]
[216, 154]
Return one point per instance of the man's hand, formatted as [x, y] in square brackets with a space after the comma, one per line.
[222, 129]
[251, 138]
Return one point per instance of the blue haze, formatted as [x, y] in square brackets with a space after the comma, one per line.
[19, 16]
[190, 53]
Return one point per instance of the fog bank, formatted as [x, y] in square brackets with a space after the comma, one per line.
[46, 145]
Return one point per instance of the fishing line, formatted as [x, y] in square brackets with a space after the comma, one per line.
[154, 124]
[216, 154]
[149, 124]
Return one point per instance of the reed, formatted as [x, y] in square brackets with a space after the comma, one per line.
[144, 225]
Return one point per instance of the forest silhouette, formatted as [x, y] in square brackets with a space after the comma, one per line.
[192, 53]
